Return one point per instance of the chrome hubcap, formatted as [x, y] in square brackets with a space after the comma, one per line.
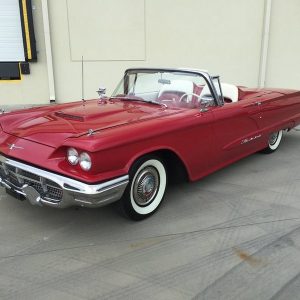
[273, 138]
[146, 186]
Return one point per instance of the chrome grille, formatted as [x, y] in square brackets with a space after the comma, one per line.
[36, 185]
[13, 179]
[54, 192]
[2, 173]
[48, 189]
[30, 175]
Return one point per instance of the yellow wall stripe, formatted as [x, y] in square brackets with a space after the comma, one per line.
[26, 28]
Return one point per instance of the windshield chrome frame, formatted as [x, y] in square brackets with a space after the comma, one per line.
[219, 101]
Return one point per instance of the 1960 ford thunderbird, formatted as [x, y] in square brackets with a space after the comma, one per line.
[158, 123]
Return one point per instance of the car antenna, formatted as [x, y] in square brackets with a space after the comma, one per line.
[82, 82]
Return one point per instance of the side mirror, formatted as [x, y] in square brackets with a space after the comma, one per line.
[206, 101]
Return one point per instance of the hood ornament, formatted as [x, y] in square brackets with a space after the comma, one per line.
[102, 97]
[90, 132]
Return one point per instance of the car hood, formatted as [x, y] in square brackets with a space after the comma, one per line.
[51, 125]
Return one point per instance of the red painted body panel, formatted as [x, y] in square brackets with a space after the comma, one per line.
[126, 130]
[51, 127]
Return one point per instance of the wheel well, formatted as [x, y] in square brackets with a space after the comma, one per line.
[176, 169]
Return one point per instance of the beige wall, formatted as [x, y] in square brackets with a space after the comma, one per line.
[284, 51]
[214, 35]
[223, 37]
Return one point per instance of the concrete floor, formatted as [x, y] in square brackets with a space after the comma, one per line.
[233, 235]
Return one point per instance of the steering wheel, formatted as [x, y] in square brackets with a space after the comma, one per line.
[169, 100]
[187, 99]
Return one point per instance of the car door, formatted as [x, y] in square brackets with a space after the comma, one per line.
[193, 141]
[236, 130]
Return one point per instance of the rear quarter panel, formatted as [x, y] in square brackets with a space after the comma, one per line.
[281, 110]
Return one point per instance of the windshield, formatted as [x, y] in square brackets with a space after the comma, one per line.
[165, 87]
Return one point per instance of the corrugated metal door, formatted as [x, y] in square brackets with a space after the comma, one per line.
[11, 40]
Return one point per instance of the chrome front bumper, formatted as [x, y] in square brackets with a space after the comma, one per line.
[41, 187]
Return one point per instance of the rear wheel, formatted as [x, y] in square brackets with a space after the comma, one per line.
[273, 142]
[146, 188]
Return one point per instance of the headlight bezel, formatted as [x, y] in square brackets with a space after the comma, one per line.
[76, 157]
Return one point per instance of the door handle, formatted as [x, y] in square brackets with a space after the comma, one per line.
[252, 104]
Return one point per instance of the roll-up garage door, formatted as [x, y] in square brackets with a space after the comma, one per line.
[11, 39]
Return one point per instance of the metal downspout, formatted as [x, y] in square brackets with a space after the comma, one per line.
[265, 44]
[48, 51]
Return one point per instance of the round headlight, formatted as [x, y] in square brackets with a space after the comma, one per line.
[73, 157]
[85, 161]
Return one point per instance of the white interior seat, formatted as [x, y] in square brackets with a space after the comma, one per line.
[229, 91]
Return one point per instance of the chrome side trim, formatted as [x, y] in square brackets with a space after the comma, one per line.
[74, 192]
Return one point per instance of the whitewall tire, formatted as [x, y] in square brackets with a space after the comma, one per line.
[274, 141]
[146, 188]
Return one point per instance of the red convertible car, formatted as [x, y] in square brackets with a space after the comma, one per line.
[158, 123]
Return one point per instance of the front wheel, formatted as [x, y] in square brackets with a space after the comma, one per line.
[146, 188]
[273, 142]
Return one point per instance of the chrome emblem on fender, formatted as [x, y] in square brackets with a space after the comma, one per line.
[13, 146]
[245, 141]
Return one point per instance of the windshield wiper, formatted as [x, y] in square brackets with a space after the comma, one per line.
[140, 100]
